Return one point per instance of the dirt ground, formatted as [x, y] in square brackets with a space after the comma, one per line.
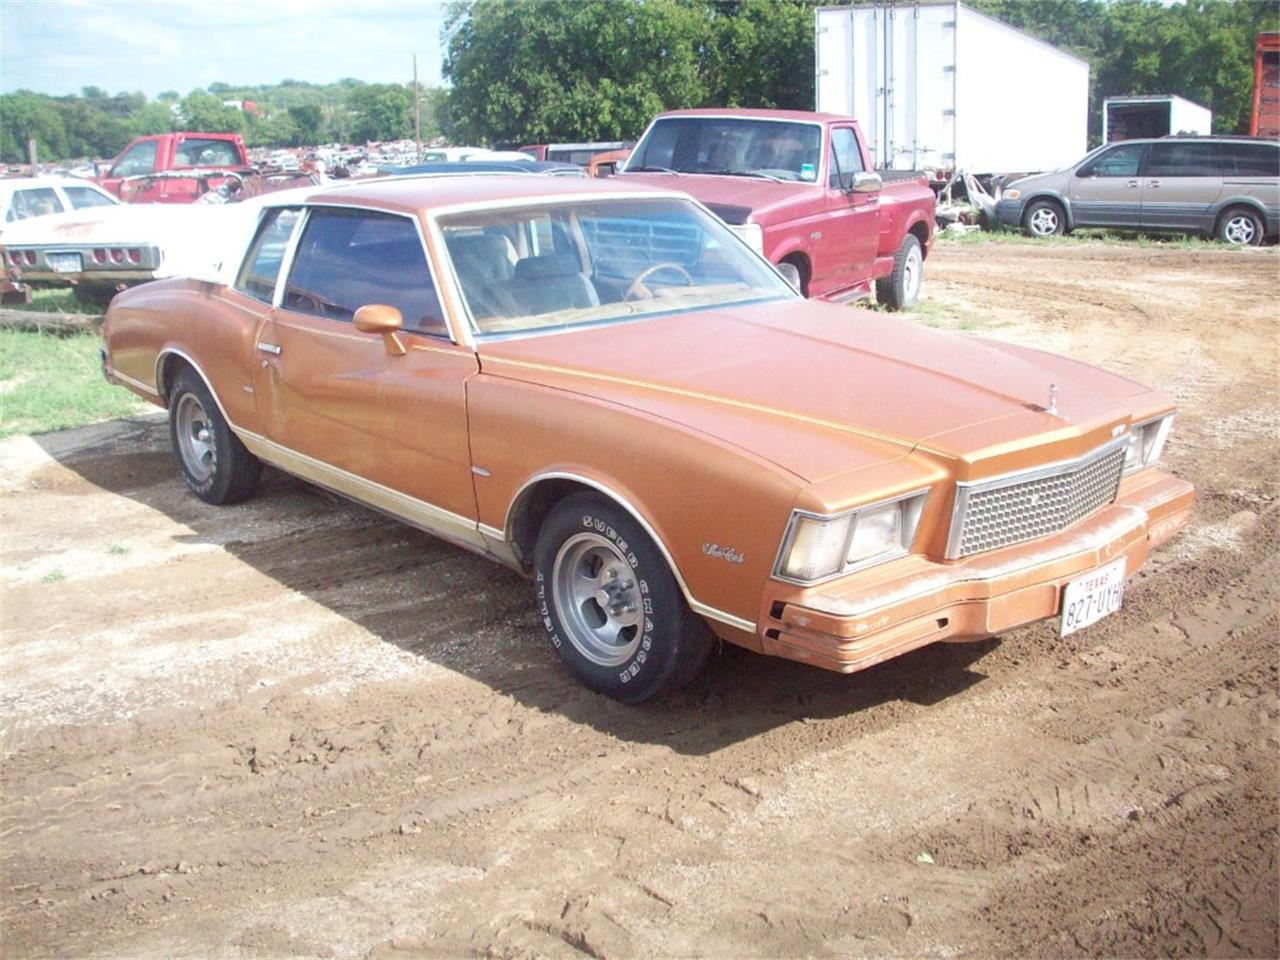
[295, 727]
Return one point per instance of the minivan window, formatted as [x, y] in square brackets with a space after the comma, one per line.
[348, 259]
[1182, 159]
[261, 267]
[1254, 159]
[1121, 161]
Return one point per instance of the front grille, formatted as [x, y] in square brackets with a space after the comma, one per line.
[1034, 504]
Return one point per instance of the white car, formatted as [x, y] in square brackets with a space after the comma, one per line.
[24, 197]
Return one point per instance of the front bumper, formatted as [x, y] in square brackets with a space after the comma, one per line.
[1009, 212]
[852, 623]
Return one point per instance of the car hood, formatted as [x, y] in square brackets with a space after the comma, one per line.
[755, 193]
[821, 389]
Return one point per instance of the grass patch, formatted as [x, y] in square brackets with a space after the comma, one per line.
[53, 576]
[65, 300]
[1087, 235]
[49, 382]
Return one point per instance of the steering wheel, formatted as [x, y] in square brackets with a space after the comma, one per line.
[638, 291]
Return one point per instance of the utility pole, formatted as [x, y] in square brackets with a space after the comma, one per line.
[417, 113]
[31, 156]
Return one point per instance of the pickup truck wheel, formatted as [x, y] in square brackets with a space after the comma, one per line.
[215, 464]
[1044, 218]
[901, 289]
[611, 605]
[1240, 226]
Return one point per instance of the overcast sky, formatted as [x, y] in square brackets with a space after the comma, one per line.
[59, 46]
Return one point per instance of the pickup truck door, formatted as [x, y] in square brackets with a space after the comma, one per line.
[379, 417]
[1107, 191]
[845, 247]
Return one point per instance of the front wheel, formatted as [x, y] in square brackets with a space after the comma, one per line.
[1241, 227]
[611, 605]
[215, 464]
[1044, 218]
[901, 289]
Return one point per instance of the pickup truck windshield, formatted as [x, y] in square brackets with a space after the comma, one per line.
[768, 149]
[572, 263]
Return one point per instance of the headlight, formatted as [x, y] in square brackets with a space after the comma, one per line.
[1011, 195]
[817, 548]
[751, 233]
[1146, 441]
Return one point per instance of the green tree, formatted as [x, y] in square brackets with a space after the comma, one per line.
[204, 112]
[308, 119]
[25, 116]
[381, 111]
[761, 54]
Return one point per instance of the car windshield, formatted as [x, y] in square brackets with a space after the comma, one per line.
[568, 264]
[768, 149]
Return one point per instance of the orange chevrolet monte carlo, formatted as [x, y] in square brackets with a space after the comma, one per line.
[606, 389]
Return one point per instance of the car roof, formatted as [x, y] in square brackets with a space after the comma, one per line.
[412, 194]
[799, 116]
[11, 184]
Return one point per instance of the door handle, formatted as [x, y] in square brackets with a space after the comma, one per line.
[1132, 183]
[270, 348]
[1153, 184]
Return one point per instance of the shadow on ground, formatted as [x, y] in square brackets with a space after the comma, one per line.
[466, 613]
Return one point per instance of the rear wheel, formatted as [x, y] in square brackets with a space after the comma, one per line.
[611, 605]
[901, 289]
[215, 464]
[1240, 226]
[1044, 218]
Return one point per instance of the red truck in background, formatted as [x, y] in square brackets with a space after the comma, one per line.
[800, 188]
[176, 167]
[1265, 121]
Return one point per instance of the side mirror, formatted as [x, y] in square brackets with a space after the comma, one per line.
[1085, 171]
[382, 319]
[866, 182]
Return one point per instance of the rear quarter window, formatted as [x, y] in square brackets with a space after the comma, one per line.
[36, 202]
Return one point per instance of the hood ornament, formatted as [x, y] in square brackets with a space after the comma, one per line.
[1053, 400]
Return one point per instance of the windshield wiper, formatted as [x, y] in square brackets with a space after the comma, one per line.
[655, 169]
[745, 173]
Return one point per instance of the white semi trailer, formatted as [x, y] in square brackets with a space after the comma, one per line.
[938, 86]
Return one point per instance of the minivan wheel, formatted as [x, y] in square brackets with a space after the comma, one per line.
[1044, 218]
[1240, 226]
[611, 605]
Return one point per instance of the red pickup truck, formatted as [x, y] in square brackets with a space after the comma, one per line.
[176, 167]
[800, 188]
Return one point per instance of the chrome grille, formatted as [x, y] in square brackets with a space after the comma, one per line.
[1034, 504]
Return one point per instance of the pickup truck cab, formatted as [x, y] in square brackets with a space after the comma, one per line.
[162, 168]
[800, 188]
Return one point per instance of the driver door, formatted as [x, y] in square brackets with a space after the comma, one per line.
[844, 242]
[1106, 191]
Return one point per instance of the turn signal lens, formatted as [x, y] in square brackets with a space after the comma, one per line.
[135, 255]
[99, 255]
[817, 547]
[30, 257]
[117, 255]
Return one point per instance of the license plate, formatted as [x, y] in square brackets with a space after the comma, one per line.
[1088, 599]
[63, 262]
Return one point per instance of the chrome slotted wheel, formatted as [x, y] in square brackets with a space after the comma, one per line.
[597, 599]
[195, 438]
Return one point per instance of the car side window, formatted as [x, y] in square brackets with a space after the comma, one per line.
[261, 267]
[1254, 159]
[1181, 159]
[348, 259]
[36, 202]
[83, 197]
[1121, 161]
[206, 153]
[137, 160]
[846, 158]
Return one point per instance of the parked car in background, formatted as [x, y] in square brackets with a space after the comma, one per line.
[605, 389]
[579, 153]
[800, 188]
[151, 169]
[24, 197]
[103, 250]
[606, 164]
[1225, 187]
[470, 154]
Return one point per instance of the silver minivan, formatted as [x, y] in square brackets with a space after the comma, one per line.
[1227, 187]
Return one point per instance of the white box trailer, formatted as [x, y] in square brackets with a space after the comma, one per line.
[938, 86]
[1128, 118]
